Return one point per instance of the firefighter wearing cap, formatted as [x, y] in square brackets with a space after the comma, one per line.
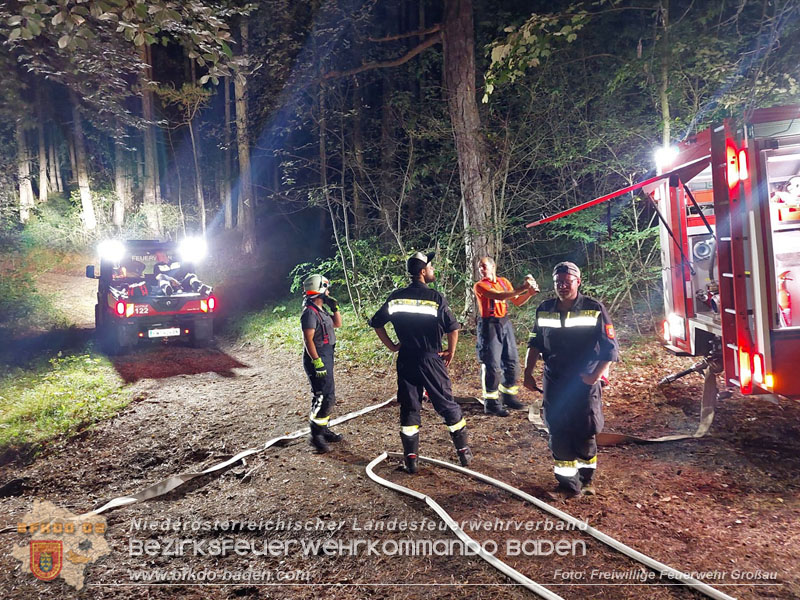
[420, 315]
[497, 346]
[576, 339]
[319, 340]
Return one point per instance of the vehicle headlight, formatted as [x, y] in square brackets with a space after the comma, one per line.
[111, 250]
[193, 249]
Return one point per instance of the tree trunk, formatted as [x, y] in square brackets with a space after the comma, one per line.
[73, 177]
[82, 172]
[43, 183]
[359, 177]
[388, 181]
[122, 182]
[459, 83]
[663, 92]
[26, 200]
[180, 183]
[54, 169]
[151, 196]
[226, 162]
[246, 222]
[198, 182]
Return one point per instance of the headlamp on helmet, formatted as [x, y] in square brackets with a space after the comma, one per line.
[315, 284]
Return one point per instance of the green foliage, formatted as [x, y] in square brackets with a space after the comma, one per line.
[198, 26]
[376, 274]
[21, 306]
[529, 44]
[168, 215]
[189, 97]
[57, 398]
[57, 224]
[622, 269]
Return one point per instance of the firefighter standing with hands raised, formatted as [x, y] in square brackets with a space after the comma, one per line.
[319, 340]
[497, 346]
[576, 339]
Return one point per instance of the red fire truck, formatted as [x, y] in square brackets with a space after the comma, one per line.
[729, 203]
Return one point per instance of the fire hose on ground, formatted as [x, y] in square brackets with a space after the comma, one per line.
[657, 566]
[174, 481]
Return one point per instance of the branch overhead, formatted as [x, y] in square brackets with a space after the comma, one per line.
[387, 63]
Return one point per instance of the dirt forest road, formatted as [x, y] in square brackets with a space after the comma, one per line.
[724, 508]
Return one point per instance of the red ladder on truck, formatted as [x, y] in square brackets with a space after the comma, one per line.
[731, 188]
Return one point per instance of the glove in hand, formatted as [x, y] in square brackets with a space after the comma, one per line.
[331, 302]
[320, 367]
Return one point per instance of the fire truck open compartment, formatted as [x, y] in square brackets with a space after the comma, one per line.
[729, 209]
[731, 249]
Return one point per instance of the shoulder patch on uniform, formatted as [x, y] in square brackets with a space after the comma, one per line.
[610, 331]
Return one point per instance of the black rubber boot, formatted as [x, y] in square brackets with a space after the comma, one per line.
[462, 449]
[586, 476]
[331, 436]
[510, 401]
[492, 407]
[318, 439]
[410, 451]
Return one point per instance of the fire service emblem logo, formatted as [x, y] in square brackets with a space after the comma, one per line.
[72, 543]
[46, 559]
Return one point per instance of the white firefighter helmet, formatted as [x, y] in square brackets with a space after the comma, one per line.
[315, 284]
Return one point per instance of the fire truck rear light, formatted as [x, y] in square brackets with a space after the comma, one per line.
[141, 334]
[758, 368]
[745, 371]
[212, 304]
[733, 166]
[743, 171]
[119, 308]
[769, 380]
[186, 331]
[665, 330]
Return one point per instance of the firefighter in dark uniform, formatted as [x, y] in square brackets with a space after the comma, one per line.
[576, 339]
[420, 315]
[319, 340]
[497, 346]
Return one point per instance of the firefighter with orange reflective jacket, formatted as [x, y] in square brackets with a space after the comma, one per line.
[319, 340]
[576, 339]
[497, 346]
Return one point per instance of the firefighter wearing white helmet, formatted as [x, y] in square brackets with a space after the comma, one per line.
[319, 340]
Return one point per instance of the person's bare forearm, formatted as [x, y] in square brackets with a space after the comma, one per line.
[452, 341]
[523, 298]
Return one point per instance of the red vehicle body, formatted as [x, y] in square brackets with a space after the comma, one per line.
[132, 307]
[729, 204]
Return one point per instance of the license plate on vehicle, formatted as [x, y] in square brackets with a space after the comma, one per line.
[156, 333]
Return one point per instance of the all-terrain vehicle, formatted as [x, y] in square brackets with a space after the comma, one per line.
[147, 290]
